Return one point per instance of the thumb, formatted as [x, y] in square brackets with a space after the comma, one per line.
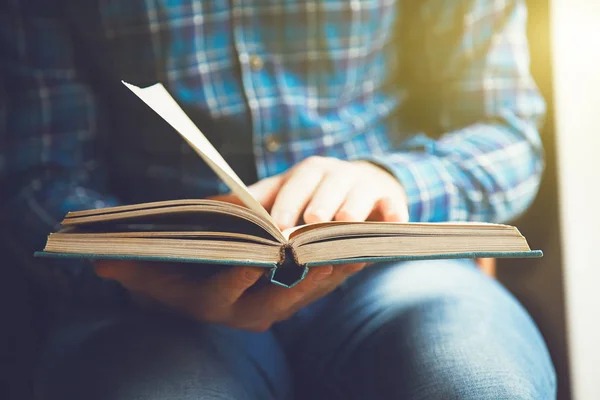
[265, 191]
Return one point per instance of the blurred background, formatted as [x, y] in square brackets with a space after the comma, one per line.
[562, 290]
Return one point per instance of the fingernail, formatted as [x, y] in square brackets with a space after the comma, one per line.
[323, 273]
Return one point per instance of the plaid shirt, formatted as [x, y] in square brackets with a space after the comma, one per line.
[439, 93]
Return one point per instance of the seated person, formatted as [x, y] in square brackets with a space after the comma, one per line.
[332, 110]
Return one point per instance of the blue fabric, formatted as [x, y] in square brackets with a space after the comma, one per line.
[270, 83]
[414, 330]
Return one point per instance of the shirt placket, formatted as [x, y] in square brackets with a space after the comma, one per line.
[252, 64]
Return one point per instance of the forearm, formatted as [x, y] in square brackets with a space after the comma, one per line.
[473, 65]
[485, 172]
[53, 146]
[29, 215]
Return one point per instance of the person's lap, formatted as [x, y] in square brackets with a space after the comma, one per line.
[414, 330]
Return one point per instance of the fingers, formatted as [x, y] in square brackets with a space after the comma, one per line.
[265, 191]
[160, 281]
[325, 189]
[328, 198]
[295, 194]
[339, 275]
[321, 189]
[358, 205]
[224, 298]
[351, 269]
[262, 308]
[276, 303]
[277, 299]
[393, 210]
[208, 300]
[128, 273]
[228, 286]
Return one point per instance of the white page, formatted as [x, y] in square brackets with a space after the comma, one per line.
[159, 99]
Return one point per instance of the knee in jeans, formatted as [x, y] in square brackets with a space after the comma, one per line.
[488, 384]
[509, 385]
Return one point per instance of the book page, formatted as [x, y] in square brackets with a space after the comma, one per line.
[159, 99]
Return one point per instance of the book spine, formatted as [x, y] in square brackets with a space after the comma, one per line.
[288, 272]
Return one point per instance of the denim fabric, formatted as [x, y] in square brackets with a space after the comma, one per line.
[413, 330]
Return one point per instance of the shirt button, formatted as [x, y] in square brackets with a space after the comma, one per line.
[256, 63]
[272, 144]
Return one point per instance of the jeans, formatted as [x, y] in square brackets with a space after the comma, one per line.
[411, 330]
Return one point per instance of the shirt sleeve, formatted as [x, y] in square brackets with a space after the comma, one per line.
[52, 150]
[487, 163]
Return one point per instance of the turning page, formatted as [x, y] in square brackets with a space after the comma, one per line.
[159, 99]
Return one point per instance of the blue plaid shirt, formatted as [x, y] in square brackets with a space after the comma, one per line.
[438, 92]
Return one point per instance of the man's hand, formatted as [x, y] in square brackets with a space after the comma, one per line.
[224, 298]
[321, 189]
[318, 190]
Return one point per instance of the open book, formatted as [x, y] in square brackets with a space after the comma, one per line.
[213, 232]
